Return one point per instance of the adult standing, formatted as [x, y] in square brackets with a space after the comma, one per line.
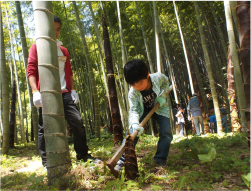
[70, 99]
[194, 108]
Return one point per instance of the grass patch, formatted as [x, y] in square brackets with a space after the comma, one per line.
[185, 171]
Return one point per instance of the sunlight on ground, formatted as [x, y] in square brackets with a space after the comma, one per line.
[32, 166]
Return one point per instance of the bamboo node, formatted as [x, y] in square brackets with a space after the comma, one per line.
[42, 9]
[53, 114]
[48, 65]
[46, 37]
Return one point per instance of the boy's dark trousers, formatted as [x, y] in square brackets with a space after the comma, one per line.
[74, 119]
[165, 136]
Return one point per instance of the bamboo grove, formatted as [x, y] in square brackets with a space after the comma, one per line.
[203, 48]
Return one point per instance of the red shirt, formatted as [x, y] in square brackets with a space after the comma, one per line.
[32, 68]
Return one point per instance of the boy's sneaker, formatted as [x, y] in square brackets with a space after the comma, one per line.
[161, 163]
[119, 165]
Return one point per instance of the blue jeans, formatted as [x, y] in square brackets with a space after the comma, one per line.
[182, 128]
[165, 136]
[198, 120]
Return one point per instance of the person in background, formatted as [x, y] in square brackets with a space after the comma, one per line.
[213, 122]
[194, 109]
[181, 120]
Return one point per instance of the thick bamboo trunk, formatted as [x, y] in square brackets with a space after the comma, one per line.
[243, 17]
[5, 92]
[89, 64]
[209, 71]
[237, 71]
[57, 150]
[236, 126]
[100, 44]
[169, 66]
[116, 119]
[184, 49]
[13, 114]
[123, 53]
[217, 64]
[156, 29]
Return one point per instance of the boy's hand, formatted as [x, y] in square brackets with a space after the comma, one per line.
[136, 127]
[161, 101]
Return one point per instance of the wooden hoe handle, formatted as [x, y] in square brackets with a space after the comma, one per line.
[113, 161]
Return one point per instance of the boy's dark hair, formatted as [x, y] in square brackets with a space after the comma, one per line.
[56, 19]
[135, 70]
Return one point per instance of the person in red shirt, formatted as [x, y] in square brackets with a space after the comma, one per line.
[70, 99]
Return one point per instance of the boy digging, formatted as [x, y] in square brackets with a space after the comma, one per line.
[147, 89]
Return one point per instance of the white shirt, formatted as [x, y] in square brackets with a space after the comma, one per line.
[180, 117]
[61, 63]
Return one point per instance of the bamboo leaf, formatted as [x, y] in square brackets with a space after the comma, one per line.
[182, 181]
[209, 156]
[246, 179]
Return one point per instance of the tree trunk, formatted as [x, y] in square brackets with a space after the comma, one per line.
[243, 17]
[223, 44]
[123, 54]
[57, 150]
[5, 92]
[237, 71]
[94, 88]
[184, 49]
[13, 114]
[209, 71]
[34, 115]
[145, 40]
[21, 120]
[236, 126]
[158, 55]
[116, 119]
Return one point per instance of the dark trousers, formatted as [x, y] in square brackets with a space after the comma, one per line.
[74, 119]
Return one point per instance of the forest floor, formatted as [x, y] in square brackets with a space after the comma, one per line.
[209, 162]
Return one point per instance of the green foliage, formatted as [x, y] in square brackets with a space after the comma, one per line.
[122, 184]
[246, 179]
[182, 181]
[155, 187]
[209, 156]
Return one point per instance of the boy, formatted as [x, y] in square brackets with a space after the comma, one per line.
[147, 89]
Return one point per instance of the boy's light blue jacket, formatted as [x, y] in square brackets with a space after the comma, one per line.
[160, 85]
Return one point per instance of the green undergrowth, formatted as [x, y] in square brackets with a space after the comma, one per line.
[208, 162]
